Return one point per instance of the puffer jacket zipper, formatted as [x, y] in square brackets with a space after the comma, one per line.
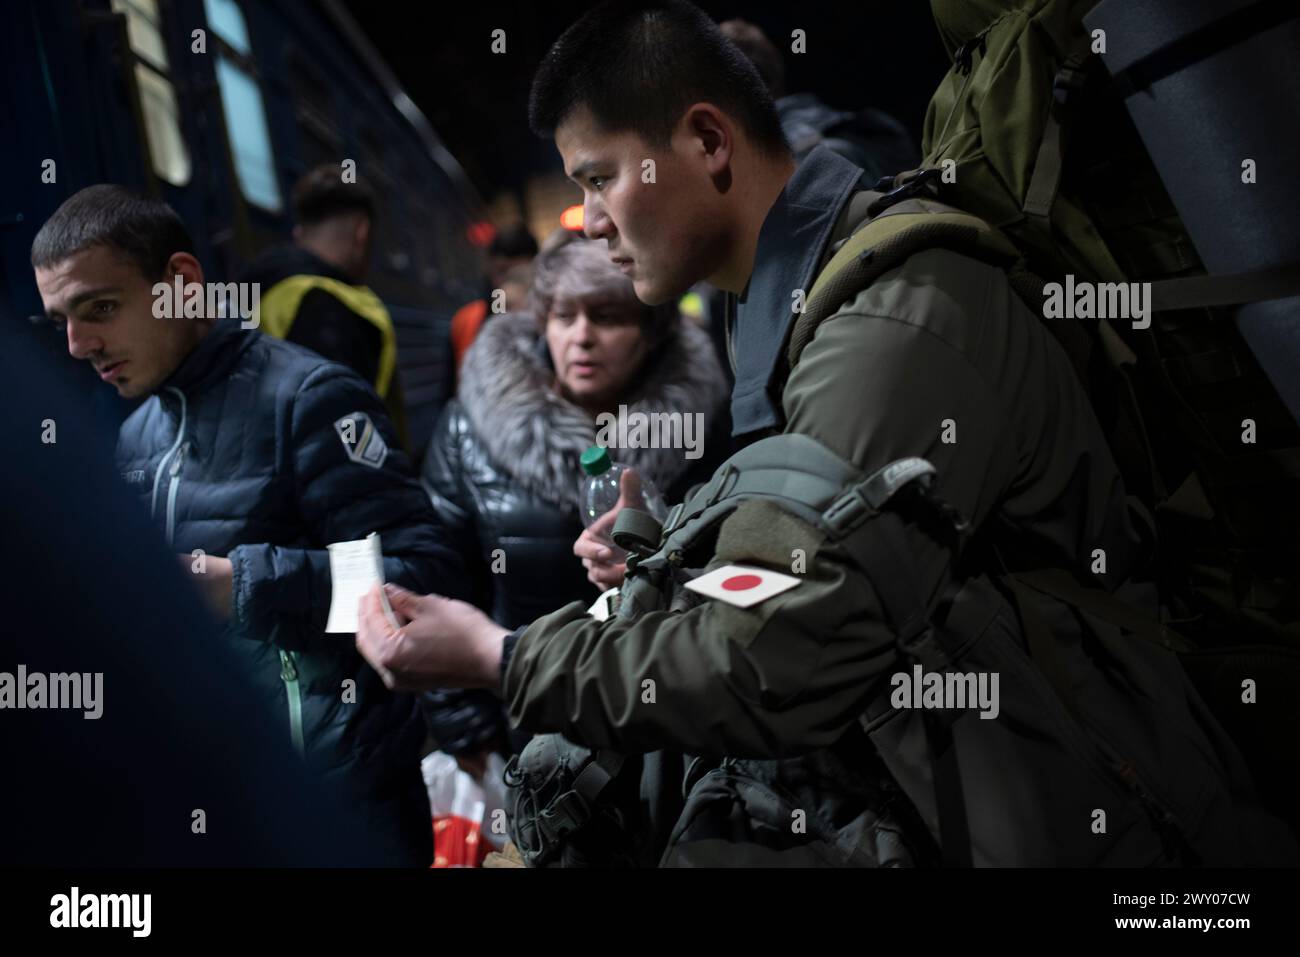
[173, 486]
[172, 461]
[293, 692]
[164, 462]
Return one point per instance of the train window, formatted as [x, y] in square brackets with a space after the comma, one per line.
[241, 103]
[168, 153]
[227, 21]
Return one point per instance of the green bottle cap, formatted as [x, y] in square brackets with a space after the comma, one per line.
[595, 461]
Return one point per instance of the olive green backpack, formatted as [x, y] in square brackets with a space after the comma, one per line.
[1031, 164]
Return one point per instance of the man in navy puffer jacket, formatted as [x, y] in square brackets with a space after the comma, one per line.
[259, 453]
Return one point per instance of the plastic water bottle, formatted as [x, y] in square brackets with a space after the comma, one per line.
[600, 488]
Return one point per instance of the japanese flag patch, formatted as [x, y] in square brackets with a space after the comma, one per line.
[742, 585]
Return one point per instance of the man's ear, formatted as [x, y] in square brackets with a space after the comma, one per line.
[186, 266]
[361, 232]
[714, 131]
[711, 136]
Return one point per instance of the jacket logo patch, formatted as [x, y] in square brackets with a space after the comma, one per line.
[361, 440]
[134, 478]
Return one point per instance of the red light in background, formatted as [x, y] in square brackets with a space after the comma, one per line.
[481, 233]
[571, 218]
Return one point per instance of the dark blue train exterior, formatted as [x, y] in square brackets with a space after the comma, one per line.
[73, 94]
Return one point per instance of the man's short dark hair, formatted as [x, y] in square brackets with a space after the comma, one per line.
[513, 242]
[638, 66]
[144, 230]
[321, 194]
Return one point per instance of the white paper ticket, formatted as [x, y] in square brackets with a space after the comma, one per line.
[355, 568]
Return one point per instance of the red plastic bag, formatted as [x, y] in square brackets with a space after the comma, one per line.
[468, 814]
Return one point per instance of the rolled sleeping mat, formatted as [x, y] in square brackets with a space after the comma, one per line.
[1213, 87]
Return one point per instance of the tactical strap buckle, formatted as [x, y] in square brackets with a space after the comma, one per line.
[869, 496]
[884, 484]
[571, 811]
[905, 186]
[963, 58]
[564, 815]
[848, 512]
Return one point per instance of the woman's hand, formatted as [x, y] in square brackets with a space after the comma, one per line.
[440, 642]
[605, 562]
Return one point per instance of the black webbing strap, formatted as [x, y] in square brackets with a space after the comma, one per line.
[950, 802]
[1048, 165]
[1229, 289]
[874, 538]
[571, 810]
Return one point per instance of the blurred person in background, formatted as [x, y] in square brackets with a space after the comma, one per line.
[510, 259]
[313, 290]
[502, 467]
[867, 137]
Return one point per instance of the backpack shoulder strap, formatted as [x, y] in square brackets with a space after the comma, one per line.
[885, 242]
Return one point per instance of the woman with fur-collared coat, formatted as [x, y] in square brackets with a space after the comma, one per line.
[502, 467]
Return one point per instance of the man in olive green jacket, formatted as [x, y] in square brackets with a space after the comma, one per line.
[688, 178]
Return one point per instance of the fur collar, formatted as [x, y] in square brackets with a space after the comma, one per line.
[535, 436]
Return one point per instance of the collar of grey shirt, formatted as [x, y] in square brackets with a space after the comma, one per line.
[790, 247]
